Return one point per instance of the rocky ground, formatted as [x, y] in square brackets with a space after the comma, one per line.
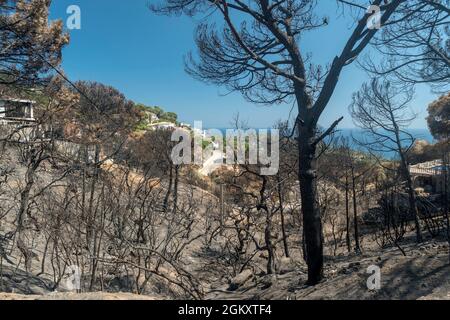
[424, 273]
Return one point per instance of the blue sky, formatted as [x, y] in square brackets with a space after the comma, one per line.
[123, 44]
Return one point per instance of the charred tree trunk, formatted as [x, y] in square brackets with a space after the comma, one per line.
[411, 197]
[268, 241]
[355, 213]
[445, 162]
[312, 223]
[35, 159]
[268, 227]
[283, 227]
[347, 214]
[413, 207]
[175, 188]
[169, 189]
[25, 195]
[409, 184]
[92, 230]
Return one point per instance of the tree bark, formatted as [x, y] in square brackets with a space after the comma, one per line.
[311, 213]
[91, 229]
[445, 162]
[411, 195]
[409, 183]
[283, 227]
[347, 215]
[169, 189]
[355, 213]
[175, 189]
[413, 206]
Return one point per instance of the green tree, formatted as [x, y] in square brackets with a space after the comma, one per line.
[439, 118]
[30, 46]
[170, 116]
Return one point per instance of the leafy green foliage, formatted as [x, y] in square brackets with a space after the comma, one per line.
[161, 115]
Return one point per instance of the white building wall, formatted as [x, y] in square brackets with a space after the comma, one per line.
[31, 111]
[2, 109]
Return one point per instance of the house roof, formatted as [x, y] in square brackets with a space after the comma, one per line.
[429, 168]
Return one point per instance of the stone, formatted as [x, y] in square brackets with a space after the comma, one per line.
[240, 280]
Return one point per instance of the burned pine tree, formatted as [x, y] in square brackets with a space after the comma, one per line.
[382, 111]
[258, 52]
[417, 50]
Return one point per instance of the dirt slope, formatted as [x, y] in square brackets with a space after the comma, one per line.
[423, 274]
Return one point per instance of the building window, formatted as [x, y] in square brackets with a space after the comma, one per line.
[15, 109]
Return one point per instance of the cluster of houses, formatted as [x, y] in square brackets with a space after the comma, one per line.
[165, 125]
[17, 110]
[154, 122]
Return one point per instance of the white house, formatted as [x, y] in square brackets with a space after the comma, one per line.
[152, 117]
[429, 176]
[200, 132]
[163, 126]
[13, 114]
[16, 109]
[185, 125]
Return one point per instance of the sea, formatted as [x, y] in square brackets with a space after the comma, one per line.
[359, 135]
[353, 134]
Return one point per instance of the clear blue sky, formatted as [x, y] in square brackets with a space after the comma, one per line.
[123, 44]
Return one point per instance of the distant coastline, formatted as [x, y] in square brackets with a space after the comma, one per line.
[418, 134]
[358, 134]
